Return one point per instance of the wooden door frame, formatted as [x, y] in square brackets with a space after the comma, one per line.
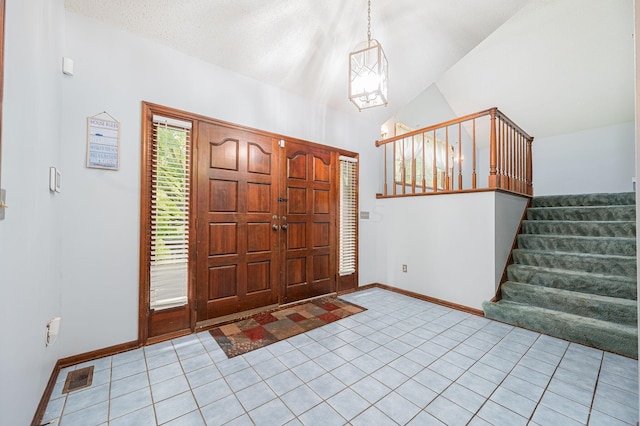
[148, 110]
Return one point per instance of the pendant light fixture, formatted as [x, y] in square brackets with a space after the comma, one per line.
[368, 72]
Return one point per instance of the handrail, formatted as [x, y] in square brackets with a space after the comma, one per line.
[436, 126]
[418, 170]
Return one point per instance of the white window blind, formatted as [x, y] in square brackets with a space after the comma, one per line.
[348, 215]
[170, 171]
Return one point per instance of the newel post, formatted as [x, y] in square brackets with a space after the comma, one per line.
[493, 152]
[529, 167]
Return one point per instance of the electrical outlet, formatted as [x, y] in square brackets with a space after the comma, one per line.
[404, 268]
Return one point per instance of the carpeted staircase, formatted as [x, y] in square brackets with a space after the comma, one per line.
[574, 272]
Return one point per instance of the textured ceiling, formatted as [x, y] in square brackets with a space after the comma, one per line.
[303, 45]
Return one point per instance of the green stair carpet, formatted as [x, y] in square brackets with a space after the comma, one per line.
[574, 272]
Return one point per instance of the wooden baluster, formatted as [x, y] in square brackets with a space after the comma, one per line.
[435, 168]
[492, 182]
[500, 170]
[473, 147]
[446, 137]
[385, 169]
[516, 141]
[395, 161]
[404, 167]
[505, 159]
[447, 176]
[518, 159]
[503, 147]
[524, 164]
[513, 159]
[529, 168]
[413, 164]
[505, 167]
[521, 172]
[459, 156]
[523, 148]
[424, 160]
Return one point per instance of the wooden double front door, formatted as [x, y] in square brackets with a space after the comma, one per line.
[266, 221]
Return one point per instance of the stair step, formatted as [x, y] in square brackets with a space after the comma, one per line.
[613, 309]
[590, 213]
[603, 199]
[600, 264]
[584, 282]
[617, 246]
[609, 336]
[589, 228]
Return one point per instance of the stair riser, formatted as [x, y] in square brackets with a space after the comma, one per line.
[618, 311]
[592, 284]
[625, 198]
[583, 213]
[614, 266]
[614, 247]
[584, 229]
[622, 341]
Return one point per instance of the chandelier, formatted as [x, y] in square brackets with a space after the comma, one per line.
[368, 72]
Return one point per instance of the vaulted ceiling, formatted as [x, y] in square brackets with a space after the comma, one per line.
[303, 45]
[554, 66]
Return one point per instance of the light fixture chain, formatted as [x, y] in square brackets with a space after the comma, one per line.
[369, 22]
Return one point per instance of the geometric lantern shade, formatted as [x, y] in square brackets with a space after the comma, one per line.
[368, 75]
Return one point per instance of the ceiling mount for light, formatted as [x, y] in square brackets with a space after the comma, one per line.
[368, 72]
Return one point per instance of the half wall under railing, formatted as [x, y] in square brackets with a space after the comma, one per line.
[450, 156]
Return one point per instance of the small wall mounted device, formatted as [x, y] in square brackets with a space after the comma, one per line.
[54, 179]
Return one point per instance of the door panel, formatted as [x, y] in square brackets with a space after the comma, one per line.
[310, 251]
[237, 260]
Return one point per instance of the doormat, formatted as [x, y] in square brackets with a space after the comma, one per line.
[263, 329]
[78, 379]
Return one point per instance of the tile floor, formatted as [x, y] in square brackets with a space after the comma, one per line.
[403, 361]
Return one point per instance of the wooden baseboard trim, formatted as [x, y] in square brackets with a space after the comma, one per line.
[88, 356]
[430, 299]
[72, 360]
[167, 336]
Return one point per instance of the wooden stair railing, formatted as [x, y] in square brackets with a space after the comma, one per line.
[432, 159]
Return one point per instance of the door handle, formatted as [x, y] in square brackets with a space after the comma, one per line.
[274, 227]
[284, 227]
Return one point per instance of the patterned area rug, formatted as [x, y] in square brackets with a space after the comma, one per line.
[266, 328]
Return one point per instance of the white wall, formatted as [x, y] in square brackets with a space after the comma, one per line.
[555, 67]
[428, 108]
[75, 254]
[589, 161]
[114, 72]
[508, 212]
[453, 245]
[29, 235]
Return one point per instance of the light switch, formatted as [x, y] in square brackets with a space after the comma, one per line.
[67, 66]
[54, 179]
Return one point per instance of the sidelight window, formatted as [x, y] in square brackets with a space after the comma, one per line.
[348, 215]
[170, 196]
